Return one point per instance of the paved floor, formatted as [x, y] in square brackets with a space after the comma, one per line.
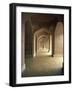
[43, 66]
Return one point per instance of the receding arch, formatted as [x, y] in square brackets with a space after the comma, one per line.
[43, 42]
[42, 34]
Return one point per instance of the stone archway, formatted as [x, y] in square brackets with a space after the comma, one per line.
[42, 42]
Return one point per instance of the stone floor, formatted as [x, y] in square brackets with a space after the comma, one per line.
[43, 66]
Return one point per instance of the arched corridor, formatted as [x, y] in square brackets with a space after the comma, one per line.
[42, 45]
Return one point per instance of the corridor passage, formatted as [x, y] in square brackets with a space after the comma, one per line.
[42, 45]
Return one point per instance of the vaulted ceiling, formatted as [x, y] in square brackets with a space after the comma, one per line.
[38, 21]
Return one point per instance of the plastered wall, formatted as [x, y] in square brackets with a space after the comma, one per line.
[58, 50]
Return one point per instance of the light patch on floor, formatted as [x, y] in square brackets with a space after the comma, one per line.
[43, 65]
